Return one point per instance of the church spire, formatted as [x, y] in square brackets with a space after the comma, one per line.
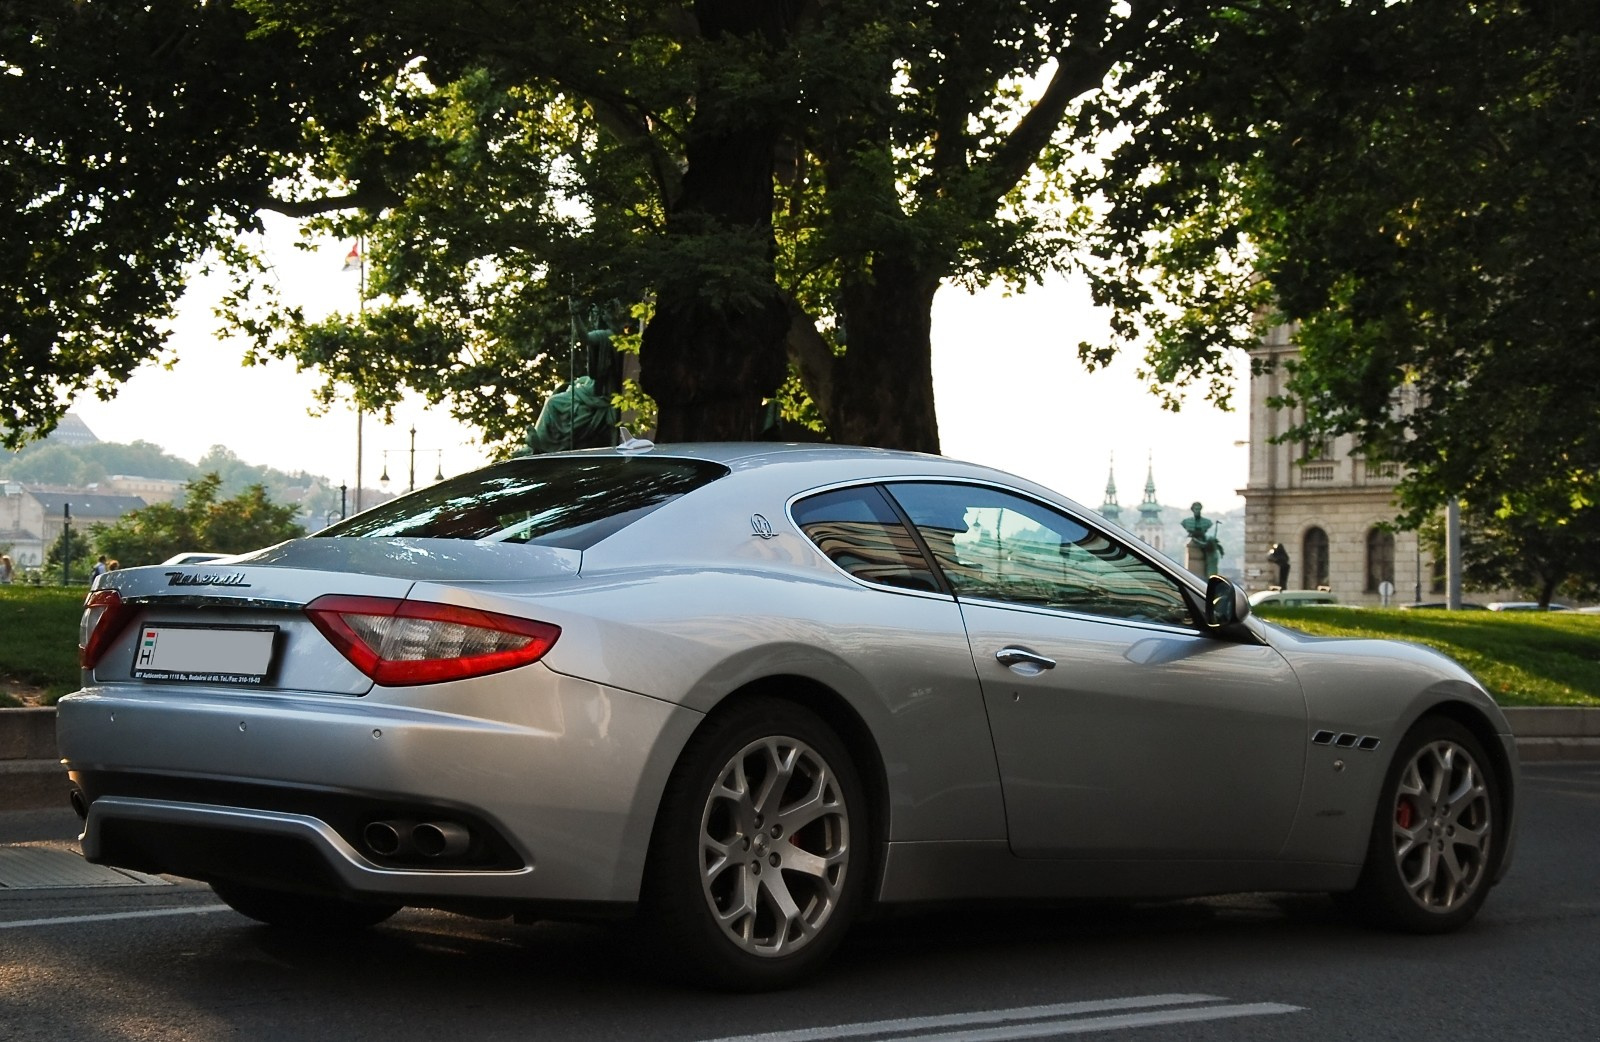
[1110, 509]
[1150, 509]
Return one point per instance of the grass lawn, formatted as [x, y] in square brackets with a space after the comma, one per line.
[39, 639]
[1523, 658]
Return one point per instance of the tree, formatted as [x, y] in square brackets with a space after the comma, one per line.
[137, 140]
[70, 547]
[756, 179]
[906, 154]
[1404, 182]
[1537, 542]
[202, 521]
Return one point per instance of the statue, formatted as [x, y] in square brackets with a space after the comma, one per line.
[1204, 548]
[579, 414]
[1280, 558]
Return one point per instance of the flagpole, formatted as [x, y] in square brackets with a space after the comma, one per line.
[361, 311]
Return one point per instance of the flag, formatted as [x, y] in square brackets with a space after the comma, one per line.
[353, 258]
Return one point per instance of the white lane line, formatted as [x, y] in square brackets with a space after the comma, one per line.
[964, 1020]
[152, 913]
[1082, 1025]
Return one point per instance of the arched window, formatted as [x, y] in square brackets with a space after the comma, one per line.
[1380, 558]
[1314, 559]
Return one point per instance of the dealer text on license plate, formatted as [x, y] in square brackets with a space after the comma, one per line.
[213, 655]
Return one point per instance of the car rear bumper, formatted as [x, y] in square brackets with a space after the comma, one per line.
[551, 799]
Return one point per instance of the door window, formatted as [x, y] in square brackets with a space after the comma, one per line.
[994, 545]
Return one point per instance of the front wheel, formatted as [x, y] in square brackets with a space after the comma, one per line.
[1437, 838]
[300, 911]
[759, 859]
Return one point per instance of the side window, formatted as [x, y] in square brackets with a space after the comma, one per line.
[996, 546]
[860, 532]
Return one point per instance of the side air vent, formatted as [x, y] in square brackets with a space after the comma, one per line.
[1346, 740]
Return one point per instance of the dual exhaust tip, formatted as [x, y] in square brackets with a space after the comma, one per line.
[404, 840]
[399, 840]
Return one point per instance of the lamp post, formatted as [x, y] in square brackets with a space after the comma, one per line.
[411, 465]
[66, 543]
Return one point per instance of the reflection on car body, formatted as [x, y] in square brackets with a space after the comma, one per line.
[1291, 598]
[590, 684]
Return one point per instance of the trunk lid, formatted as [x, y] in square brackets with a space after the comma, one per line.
[185, 613]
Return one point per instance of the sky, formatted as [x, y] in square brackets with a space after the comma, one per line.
[1009, 389]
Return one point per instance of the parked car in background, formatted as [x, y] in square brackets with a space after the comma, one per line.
[193, 557]
[744, 692]
[1524, 606]
[1291, 598]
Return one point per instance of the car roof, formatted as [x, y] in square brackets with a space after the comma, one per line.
[842, 463]
[739, 454]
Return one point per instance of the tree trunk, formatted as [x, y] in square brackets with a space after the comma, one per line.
[708, 357]
[717, 344]
[883, 383]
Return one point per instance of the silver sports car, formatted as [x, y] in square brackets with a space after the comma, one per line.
[748, 691]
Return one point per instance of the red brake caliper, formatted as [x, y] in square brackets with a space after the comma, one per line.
[1403, 814]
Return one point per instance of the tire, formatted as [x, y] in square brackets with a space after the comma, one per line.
[761, 851]
[301, 911]
[1437, 835]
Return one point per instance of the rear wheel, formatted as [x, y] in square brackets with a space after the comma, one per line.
[1436, 841]
[759, 859]
[301, 911]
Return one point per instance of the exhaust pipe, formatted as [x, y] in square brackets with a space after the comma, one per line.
[80, 805]
[388, 838]
[440, 839]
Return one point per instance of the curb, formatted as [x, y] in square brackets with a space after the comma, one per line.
[32, 778]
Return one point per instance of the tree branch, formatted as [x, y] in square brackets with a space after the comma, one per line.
[364, 198]
[811, 354]
[1078, 71]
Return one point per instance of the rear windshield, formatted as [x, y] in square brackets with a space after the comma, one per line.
[565, 501]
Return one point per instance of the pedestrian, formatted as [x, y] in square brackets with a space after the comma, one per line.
[5, 570]
[1280, 557]
[99, 569]
[113, 564]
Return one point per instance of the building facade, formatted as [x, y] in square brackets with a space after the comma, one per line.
[31, 519]
[1328, 506]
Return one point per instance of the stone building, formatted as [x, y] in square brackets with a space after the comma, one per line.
[31, 519]
[151, 490]
[1325, 503]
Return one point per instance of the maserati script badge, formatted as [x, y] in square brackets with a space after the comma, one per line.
[205, 579]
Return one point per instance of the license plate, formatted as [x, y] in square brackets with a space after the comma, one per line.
[205, 654]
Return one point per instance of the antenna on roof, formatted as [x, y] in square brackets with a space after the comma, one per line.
[632, 444]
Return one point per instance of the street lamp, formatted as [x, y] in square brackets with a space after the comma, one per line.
[411, 468]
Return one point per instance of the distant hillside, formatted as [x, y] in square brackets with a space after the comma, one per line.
[81, 465]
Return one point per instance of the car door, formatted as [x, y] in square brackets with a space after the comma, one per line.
[1122, 728]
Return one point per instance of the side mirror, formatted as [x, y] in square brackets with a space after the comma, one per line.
[1226, 604]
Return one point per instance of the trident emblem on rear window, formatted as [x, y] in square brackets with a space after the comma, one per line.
[761, 528]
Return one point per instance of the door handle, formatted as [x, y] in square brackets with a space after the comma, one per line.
[1021, 660]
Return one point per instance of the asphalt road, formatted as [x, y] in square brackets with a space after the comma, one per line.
[152, 959]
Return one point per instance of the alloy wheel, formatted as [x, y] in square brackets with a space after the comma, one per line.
[1442, 826]
[775, 846]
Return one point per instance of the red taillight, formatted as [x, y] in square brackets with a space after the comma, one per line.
[104, 616]
[399, 642]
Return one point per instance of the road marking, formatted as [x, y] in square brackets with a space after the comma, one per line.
[152, 913]
[1022, 1022]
